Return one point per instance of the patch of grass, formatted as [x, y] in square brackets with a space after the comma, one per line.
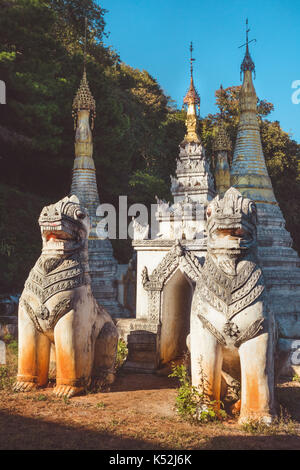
[191, 404]
[296, 378]
[101, 405]
[40, 397]
[6, 380]
[122, 352]
[66, 400]
[282, 424]
[8, 372]
[11, 344]
[117, 422]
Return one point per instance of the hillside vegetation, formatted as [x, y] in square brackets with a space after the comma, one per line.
[136, 135]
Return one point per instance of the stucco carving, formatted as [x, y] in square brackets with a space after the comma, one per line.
[176, 257]
[230, 308]
[154, 283]
[140, 232]
[57, 306]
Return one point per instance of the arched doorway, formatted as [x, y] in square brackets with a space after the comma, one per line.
[175, 320]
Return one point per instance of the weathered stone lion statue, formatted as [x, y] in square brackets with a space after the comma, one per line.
[230, 321]
[57, 307]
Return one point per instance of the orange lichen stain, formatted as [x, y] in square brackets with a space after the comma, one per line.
[253, 398]
[43, 369]
[65, 366]
[27, 361]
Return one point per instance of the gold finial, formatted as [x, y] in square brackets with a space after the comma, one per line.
[192, 96]
[84, 99]
[191, 100]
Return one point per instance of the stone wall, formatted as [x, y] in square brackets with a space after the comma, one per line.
[9, 316]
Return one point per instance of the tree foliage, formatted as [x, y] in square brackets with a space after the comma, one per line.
[137, 129]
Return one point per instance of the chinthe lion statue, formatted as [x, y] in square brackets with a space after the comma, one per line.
[230, 321]
[57, 308]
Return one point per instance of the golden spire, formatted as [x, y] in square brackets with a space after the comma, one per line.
[191, 100]
[84, 101]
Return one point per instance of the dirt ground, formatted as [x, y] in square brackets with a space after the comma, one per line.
[136, 414]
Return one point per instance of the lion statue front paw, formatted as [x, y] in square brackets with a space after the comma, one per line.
[67, 391]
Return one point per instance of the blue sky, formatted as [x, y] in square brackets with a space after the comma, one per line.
[155, 35]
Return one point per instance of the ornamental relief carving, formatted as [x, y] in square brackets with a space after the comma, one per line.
[154, 283]
[177, 257]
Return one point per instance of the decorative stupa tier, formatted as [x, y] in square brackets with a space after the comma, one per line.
[193, 176]
[193, 185]
[102, 264]
[250, 176]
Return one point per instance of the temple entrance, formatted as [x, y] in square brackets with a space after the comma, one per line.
[176, 308]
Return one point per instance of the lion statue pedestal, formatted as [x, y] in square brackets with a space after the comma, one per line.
[230, 321]
[57, 307]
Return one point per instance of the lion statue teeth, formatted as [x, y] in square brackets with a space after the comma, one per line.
[230, 320]
[57, 308]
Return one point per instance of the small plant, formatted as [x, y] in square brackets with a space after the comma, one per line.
[296, 378]
[66, 400]
[6, 380]
[11, 343]
[40, 397]
[191, 403]
[122, 352]
[101, 405]
[282, 424]
[8, 372]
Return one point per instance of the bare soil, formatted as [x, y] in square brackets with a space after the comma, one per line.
[136, 414]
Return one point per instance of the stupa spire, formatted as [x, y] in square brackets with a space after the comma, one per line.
[102, 264]
[249, 173]
[247, 63]
[84, 184]
[192, 102]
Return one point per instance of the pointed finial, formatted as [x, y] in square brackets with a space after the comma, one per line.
[192, 96]
[221, 106]
[84, 99]
[247, 63]
[191, 59]
[84, 51]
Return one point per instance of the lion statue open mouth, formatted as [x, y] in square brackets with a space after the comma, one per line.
[57, 307]
[230, 320]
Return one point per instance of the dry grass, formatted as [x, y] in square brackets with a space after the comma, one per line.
[137, 413]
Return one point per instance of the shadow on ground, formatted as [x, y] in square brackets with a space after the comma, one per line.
[282, 442]
[36, 434]
[289, 398]
[129, 382]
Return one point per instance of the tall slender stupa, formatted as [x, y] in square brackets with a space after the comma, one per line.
[103, 265]
[193, 186]
[250, 176]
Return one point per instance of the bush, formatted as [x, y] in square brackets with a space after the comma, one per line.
[122, 352]
[193, 405]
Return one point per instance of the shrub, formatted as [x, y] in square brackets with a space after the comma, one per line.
[122, 352]
[191, 403]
